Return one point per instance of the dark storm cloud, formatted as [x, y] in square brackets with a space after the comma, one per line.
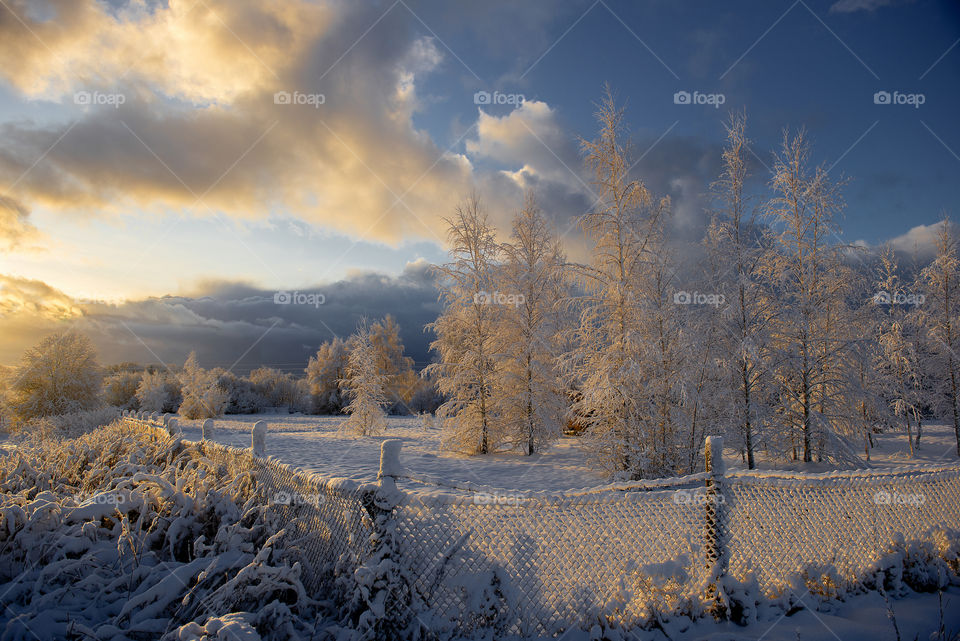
[235, 324]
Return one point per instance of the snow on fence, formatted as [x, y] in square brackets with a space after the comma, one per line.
[539, 562]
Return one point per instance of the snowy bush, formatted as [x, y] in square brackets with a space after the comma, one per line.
[57, 376]
[120, 389]
[73, 424]
[157, 393]
[118, 535]
[202, 396]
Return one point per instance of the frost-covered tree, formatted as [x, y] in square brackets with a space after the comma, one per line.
[812, 330]
[466, 332]
[202, 397]
[896, 363]
[626, 361]
[242, 398]
[278, 389]
[736, 249]
[942, 315]
[152, 392]
[120, 389]
[364, 385]
[402, 381]
[529, 395]
[57, 376]
[324, 372]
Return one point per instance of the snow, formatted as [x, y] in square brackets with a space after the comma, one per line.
[317, 444]
[83, 586]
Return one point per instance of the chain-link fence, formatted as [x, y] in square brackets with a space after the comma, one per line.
[536, 563]
[323, 517]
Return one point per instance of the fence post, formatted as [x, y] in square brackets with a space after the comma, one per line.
[259, 445]
[206, 430]
[384, 592]
[389, 464]
[714, 527]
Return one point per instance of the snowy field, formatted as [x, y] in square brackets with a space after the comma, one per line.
[315, 443]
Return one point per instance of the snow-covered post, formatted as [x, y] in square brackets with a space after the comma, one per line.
[173, 427]
[390, 467]
[714, 527]
[206, 430]
[259, 444]
[383, 596]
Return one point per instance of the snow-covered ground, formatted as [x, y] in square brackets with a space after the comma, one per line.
[65, 571]
[315, 443]
[864, 617]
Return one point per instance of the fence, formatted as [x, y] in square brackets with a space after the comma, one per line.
[540, 563]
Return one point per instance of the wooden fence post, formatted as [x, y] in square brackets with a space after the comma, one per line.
[715, 552]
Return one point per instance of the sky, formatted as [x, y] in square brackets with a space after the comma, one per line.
[172, 173]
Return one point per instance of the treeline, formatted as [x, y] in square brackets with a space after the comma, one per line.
[769, 331]
[61, 376]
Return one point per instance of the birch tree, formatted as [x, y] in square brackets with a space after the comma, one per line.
[810, 342]
[324, 371]
[897, 362]
[57, 376]
[529, 395]
[942, 313]
[736, 244]
[628, 423]
[364, 384]
[466, 332]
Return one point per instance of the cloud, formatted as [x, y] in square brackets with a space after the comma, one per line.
[225, 322]
[198, 127]
[852, 6]
[920, 241]
[15, 229]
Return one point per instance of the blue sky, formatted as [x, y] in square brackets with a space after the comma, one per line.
[196, 183]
